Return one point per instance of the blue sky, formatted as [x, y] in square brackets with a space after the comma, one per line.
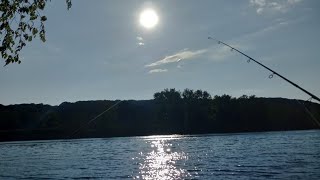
[98, 50]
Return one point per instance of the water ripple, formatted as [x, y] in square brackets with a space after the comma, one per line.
[276, 155]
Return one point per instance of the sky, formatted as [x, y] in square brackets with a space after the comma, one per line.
[99, 50]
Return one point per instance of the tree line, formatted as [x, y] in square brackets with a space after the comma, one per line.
[169, 112]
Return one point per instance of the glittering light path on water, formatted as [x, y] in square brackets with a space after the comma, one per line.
[160, 162]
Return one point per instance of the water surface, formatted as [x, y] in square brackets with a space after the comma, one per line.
[268, 155]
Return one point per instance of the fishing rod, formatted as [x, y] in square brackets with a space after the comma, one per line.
[273, 72]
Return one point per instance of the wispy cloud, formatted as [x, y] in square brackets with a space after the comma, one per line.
[157, 71]
[294, 1]
[221, 53]
[263, 6]
[140, 41]
[215, 53]
[182, 55]
[278, 24]
[139, 38]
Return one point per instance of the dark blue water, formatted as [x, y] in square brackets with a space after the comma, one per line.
[271, 155]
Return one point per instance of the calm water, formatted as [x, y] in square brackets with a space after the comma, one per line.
[273, 155]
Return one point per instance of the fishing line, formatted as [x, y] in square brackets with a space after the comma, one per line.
[93, 119]
[313, 118]
[249, 60]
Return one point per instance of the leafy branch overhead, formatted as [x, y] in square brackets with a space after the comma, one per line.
[20, 22]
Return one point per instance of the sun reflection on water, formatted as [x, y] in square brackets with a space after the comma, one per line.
[162, 160]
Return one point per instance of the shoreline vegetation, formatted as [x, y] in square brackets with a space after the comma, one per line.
[170, 112]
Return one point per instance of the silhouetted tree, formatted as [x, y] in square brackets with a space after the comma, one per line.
[20, 22]
[169, 112]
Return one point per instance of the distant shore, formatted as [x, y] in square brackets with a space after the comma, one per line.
[170, 112]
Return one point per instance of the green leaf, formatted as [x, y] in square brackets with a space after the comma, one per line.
[42, 36]
[34, 31]
[33, 17]
[30, 24]
[43, 18]
[26, 36]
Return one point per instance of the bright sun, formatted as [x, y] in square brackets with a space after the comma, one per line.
[149, 18]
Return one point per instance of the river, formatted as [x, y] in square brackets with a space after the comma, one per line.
[266, 155]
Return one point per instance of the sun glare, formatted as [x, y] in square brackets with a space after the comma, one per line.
[149, 18]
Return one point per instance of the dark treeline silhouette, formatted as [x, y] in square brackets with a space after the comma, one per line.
[170, 112]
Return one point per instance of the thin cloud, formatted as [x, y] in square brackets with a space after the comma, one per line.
[272, 6]
[182, 55]
[280, 23]
[294, 1]
[140, 41]
[139, 38]
[158, 71]
[221, 53]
